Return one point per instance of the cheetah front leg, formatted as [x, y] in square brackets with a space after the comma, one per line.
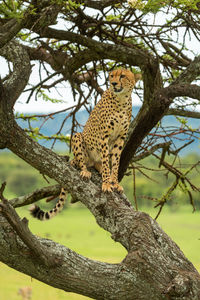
[106, 181]
[79, 151]
[115, 154]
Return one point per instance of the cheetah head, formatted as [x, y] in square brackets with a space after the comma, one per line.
[122, 81]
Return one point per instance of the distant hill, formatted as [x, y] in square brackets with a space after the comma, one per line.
[53, 125]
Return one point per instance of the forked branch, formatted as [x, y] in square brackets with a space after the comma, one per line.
[21, 228]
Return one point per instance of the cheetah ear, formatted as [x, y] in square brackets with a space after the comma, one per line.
[138, 76]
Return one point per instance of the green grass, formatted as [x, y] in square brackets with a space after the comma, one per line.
[77, 229]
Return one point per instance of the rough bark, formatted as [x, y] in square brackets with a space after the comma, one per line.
[184, 113]
[154, 267]
[18, 79]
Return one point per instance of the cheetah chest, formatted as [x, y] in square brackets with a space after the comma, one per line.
[117, 130]
[120, 126]
[115, 125]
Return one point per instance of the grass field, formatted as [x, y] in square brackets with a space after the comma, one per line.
[76, 228]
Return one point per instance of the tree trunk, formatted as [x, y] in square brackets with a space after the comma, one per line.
[154, 268]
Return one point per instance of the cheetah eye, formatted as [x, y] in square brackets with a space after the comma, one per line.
[111, 75]
[122, 76]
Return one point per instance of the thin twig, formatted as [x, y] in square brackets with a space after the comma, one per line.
[36, 195]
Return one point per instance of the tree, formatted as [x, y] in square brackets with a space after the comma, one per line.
[98, 36]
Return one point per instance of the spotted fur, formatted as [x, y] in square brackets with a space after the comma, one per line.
[102, 139]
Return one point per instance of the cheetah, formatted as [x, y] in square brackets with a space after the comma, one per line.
[101, 142]
[103, 136]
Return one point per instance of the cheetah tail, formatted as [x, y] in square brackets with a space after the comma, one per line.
[38, 213]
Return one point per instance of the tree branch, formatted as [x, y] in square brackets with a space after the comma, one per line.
[151, 151]
[127, 55]
[18, 79]
[44, 14]
[9, 30]
[190, 73]
[100, 5]
[21, 228]
[184, 89]
[184, 113]
[76, 273]
[38, 194]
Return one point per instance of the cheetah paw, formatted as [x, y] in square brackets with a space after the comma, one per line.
[118, 188]
[85, 174]
[107, 187]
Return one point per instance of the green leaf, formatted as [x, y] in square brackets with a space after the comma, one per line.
[45, 97]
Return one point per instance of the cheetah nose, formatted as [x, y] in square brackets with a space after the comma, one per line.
[114, 83]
